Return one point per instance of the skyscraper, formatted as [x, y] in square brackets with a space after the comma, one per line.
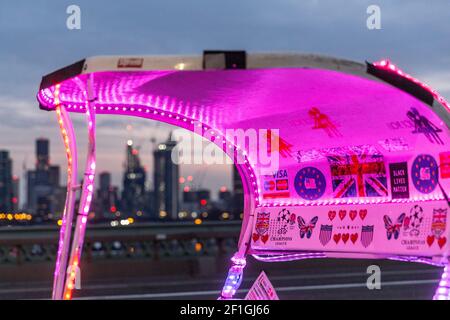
[16, 188]
[44, 195]
[54, 175]
[106, 200]
[42, 154]
[238, 192]
[133, 194]
[166, 174]
[6, 182]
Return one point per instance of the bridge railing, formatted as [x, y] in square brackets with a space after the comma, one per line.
[156, 241]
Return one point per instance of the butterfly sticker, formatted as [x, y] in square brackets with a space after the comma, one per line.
[391, 228]
[306, 229]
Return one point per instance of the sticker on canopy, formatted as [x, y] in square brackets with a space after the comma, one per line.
[306, 229]
[309, 155]
[438, 226]
[285, 219]
[348, 227]
[399, 180]
[367, 236]
[408, 229]
[276, 185]
[393, 228]
[424, 173]
[444, 167]
[325, 234]
[394, 144]
[310, 183]
[282, 228]
[424, 126]
[262, 227]
[322, 121]
[284, 148]
[357, 172]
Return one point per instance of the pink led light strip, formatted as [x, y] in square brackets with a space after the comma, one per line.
[387, 65]
[443, 290]
[85, 199]
[288, 256]
[68, 136]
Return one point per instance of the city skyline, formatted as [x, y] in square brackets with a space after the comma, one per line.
[20, 172]
[166, 196]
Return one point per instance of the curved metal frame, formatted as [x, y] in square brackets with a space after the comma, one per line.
[65, 282]
[67, 273]
[68, 135]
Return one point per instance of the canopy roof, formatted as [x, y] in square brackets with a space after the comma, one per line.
[328, 112]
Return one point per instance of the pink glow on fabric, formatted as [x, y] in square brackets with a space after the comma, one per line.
[321, 117]
[316, 111]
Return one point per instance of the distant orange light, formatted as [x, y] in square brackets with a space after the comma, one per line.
[198, 221]
[198, 247]
[223, 189]
[190, 178]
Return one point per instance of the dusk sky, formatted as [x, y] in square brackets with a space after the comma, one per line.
[35, 41]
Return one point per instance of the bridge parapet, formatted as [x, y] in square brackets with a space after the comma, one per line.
[155, 241]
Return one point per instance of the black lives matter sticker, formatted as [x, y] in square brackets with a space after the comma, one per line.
[399, 180]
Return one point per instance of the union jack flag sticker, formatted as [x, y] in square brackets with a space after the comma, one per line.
[358, 172]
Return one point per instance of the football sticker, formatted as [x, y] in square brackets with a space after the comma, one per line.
[310, 183]
[424, 173]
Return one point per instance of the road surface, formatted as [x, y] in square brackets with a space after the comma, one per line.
[313, 279]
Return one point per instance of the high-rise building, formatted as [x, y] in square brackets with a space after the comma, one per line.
[238, 193]
[16, 191]
[31, 183]
[54, 175]
[6, 182]
[166, 175]
[42, 154]
[133, 194]
[106, 201]
[45, 197]
[194, 203]
[225, 196]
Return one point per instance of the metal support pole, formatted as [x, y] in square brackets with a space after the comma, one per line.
[67, 132]
[443, 290]
[73, 271]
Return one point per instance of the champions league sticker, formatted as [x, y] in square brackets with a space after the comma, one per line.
[424, 173]
[310, 183]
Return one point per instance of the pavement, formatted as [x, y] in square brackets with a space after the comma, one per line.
[299, 280]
